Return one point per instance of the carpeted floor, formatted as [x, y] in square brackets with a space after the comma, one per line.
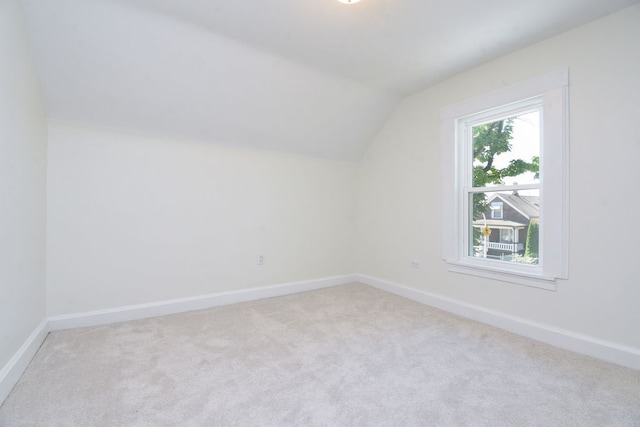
[344, 356]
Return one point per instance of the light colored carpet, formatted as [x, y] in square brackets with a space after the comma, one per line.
[344, 356]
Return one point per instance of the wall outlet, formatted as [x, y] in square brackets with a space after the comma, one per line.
[260, 259]
[414, 263]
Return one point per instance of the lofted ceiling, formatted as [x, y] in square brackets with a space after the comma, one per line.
[312, 77]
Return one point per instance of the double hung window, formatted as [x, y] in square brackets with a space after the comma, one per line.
[505, 183]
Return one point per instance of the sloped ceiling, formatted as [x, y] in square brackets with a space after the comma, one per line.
[313, 77]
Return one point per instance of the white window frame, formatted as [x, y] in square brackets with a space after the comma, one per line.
[552, 91]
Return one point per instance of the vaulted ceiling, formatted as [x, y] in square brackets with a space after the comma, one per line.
[313, 77]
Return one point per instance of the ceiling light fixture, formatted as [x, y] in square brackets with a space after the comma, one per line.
[348, 1]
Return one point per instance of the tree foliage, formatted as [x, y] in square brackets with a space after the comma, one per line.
[489, 141]
[531, 249]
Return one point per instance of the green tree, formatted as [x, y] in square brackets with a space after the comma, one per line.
[489, 141]
[531, 250]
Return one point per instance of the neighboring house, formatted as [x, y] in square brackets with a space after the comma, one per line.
[508, 216]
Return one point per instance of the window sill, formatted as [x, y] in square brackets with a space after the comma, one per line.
[535, 281]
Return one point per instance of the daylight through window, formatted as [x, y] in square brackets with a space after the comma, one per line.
[505, 153]
[505, 183]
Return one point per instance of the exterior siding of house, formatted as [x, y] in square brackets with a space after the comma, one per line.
[509, 213]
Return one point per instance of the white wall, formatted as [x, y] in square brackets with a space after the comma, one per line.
[398, 211]
[22, 187]
[136, 219]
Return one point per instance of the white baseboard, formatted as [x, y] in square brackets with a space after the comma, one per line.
[579, 343]
[181, 305]
[11, 372]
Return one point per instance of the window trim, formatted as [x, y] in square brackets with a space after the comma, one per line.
[553, 89]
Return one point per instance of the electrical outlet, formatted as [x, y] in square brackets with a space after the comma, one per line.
[260, 259]
[414, 263]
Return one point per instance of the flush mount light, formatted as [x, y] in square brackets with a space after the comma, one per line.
[348, 1]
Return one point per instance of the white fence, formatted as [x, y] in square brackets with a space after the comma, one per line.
[509, 247]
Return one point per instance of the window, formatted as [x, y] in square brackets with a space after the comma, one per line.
[496, 210]
[505, 167]
[506, 235]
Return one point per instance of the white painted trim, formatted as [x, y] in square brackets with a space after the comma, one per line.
[568, 340]
[12, 371]
[517, 277]
[508, 94]
[549, 91]
[181, 305]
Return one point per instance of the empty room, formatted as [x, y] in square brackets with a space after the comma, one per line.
[326, 212]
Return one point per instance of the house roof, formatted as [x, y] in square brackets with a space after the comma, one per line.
[529, 206]
[310, 77]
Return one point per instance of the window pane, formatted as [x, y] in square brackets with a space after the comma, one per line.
[505, 226]
[496, 209]
[507, 151]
